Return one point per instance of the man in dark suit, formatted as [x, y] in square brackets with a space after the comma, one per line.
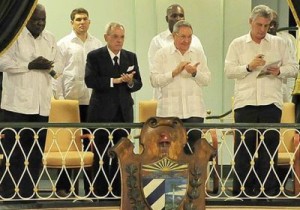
[113, 74]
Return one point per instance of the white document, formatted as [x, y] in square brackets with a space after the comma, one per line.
[264, 71]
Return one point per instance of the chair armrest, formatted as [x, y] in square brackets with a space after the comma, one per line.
[89, 137]
[214, 138]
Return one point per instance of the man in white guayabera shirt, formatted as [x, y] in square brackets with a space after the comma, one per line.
[180, 70]
[174, 13]
[258, 62]
[26, 97]
[74, 49]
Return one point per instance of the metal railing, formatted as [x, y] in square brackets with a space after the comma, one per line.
[221, 169]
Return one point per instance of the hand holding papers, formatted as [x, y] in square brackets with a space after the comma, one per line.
[265, 71]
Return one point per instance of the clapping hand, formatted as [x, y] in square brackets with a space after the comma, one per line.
[191, 68]
[179, 68]
[128, 78]
[40, 63]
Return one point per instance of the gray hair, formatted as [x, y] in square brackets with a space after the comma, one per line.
[261, 11]
[181, 23]
[110, 26]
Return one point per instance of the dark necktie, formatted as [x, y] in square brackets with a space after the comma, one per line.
[116, 65]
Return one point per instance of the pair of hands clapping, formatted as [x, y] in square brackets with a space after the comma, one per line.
[125, 78]
[185, 65]
[40, 63]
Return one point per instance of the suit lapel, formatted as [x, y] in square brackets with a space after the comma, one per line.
[123, 61]
[107, 56]
[109, 63]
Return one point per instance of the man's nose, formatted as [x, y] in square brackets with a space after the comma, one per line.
[41, 22]
[178, 18]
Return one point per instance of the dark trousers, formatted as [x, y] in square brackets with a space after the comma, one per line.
[244, 151]
[296, 101]
[63, 182]
[107, 171]
[193, 135]
[18, 152]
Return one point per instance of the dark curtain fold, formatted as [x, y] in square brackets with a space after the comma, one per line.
[13, 15]
[295, 9]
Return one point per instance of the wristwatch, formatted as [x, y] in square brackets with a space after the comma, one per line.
[247, 67]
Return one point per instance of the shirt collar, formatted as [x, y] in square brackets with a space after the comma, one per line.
[268, 37]
[75, 37]
[168, 33]
[249, 39]
[41, 36]
[173, 49]
[112, 55]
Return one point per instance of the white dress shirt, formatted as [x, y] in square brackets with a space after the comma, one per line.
[161, 40]
[249, 88]
[71, 84]
[288, 83]
[112, 56]
[28, 91]
[181, 96]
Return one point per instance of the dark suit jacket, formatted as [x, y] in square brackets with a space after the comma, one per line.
[105, 100]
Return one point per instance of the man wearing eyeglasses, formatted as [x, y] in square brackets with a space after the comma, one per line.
[180, 70]
[174, 14]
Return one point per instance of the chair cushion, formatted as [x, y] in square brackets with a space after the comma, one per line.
[71, 159]
[284, 158]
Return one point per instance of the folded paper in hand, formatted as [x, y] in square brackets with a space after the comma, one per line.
[264, 71]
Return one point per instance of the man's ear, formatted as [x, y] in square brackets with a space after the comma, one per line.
[105, 37]
[173, 35]
[167, 18]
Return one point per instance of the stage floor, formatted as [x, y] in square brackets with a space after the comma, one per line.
[208, 208]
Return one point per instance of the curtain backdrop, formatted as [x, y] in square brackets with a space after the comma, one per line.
[295, 8]
[13, 17]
